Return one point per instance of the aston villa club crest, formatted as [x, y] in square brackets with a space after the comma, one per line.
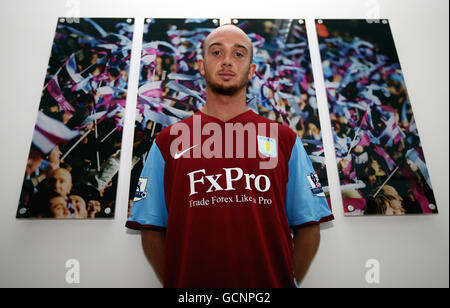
[140, 193]
[267, 146]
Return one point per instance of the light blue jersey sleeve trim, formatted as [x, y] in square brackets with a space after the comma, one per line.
[305, 201]
[149, 206]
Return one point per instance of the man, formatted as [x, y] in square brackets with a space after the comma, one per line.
[210, 211]
[58, 206]
[53, 195]
[60, 181]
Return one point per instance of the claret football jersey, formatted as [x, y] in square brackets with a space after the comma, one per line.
[226, 195]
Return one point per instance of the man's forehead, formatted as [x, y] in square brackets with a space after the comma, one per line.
[61, 172]
[228, 32]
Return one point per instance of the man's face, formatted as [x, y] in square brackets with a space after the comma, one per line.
[394, 197]
[58, 207]
[79, 206]
[54, 155]
[33, 164]
[227, 65]
[61, 181]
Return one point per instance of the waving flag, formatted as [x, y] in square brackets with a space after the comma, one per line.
[81, 83]
[55, 91]
[71, 67]
[50, 132]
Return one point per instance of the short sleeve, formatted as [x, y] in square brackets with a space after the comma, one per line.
[305, 200]
[149, 210]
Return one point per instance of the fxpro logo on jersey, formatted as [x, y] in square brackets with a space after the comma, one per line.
[197, 179]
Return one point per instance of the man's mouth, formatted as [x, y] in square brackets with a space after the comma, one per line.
[226, 75]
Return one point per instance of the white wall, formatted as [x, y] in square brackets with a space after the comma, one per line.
[412, 251]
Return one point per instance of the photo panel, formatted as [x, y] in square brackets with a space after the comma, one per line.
[379, 155]
[171, 87]
[283, 86]
[73, 162]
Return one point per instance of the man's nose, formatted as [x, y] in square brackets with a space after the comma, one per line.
[227, 59]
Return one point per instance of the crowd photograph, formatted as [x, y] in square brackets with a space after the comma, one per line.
[73, 161]
[379, 155]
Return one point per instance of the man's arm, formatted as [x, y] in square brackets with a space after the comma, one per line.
[306, 243]
[153, 245]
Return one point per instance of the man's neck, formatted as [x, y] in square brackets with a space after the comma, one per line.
[225, 107]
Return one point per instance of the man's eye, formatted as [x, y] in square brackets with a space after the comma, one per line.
[215, 52]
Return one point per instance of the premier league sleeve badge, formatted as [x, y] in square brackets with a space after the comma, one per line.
[316, 187]
[140, 193]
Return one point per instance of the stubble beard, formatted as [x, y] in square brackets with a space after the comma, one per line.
[225, 90]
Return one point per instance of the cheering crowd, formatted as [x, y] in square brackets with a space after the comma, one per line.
[380, 160]
[74, 157]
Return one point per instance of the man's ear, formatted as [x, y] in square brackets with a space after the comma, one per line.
[251, 71]
[201, 67]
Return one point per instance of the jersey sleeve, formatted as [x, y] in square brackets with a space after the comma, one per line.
[305, 200]
[149, 210]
